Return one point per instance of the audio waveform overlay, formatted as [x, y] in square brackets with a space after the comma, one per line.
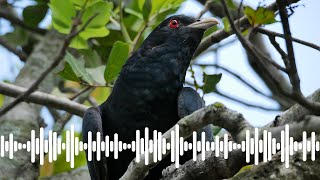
[158, 146]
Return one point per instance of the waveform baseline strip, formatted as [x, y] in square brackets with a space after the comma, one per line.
[159, 146]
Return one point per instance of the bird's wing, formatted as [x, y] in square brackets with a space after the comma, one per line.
[92, 121]
[188, 102]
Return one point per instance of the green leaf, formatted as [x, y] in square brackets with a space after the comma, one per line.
[79, 43]
[33, 15]
[68, 74]
[265, 16]
[97, 26]
[18, 37]
[117, 58]
[231, 5]
[260, 16]
[84, 3]
[100, 94]
[210, 31]
[141, 4]
[1, 100]
[91, 57]
[98, 74]
[210, 82]
[146, 9]
[94, 32]
[103, 9]
[216, 130]
[161, 5]
[226, 24]
[63, 12]
[133, 12]
[74, 70]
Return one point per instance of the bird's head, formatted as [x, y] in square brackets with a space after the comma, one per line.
[179, 31]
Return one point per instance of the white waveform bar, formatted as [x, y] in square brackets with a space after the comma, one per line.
[159, 146]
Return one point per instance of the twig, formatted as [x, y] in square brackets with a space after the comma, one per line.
[206, 7]
[245, 103]
[272, 33]
[122, 25]
[21, 54]
[237, 76]
[138, 36]
[140, 32]
[44, 99]
[55, 114]
[293, 74]
[92, 101]
[291, 64]
[247, 45]
[238, 101]
[240, 8]
[276, 45]
[74, 32]
[219, 35]
[82, 96]
[80, 93]
[17, 21]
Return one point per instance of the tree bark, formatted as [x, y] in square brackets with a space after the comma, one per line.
[26, 117]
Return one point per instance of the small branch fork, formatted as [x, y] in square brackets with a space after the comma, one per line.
[20, 53]
[73, 32]
[288, 59]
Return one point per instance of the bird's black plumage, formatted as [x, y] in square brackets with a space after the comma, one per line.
[146, 91]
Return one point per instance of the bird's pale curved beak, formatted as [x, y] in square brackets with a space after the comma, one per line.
[204, 23]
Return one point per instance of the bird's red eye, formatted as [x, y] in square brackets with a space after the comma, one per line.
[174, 24]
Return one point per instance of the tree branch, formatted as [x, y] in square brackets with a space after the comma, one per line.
[74, 32]
[228, 119]
[5, 13]
[245, 103]
[21, 54]
[246, 44]
[44, 99]
[237, 76]
[276, 34]
[219, 35]
[293, 74]
[206, 7]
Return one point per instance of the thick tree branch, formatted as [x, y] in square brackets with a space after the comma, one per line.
[275, 169]
[211, 168]
[228, 119]
[44, 99]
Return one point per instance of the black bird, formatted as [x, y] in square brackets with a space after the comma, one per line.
[148, 93]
